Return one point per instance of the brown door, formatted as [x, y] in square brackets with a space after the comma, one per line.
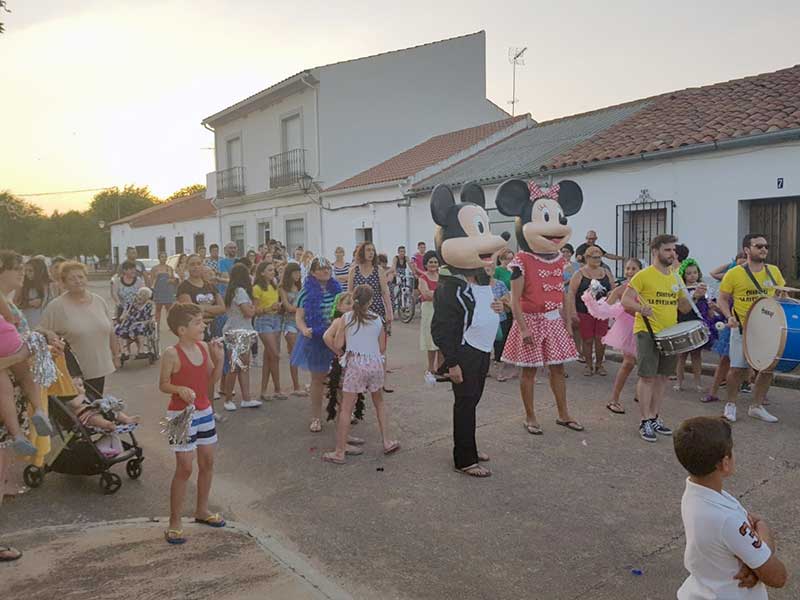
[779, 221]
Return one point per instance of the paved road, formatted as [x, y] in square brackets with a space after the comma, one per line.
[566, 515]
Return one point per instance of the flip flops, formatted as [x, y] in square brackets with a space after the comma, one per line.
[330, 457]
[174, 537]
[315, 426]
[393, 447]
[9, 554]
[571, 424]
[214, 520]
[615, 408]
[474, 471]
[533, 429]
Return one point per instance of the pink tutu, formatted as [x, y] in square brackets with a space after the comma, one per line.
[620, 336]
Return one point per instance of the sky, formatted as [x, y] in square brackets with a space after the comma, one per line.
[102, 93]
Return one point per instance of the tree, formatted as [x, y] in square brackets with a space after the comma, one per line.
[187, 191]
[113, 203]
[4, 8]
[18, 220]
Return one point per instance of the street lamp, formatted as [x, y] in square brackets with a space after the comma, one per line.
[306, 181]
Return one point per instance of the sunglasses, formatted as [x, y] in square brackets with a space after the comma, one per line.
[761, 246]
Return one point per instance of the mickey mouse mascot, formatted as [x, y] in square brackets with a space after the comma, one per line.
[539, 335]
[466, 316]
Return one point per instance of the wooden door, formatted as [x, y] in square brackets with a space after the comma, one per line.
[779, 221]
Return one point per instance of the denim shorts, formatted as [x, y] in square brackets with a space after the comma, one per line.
[290, 325]
[268, 324]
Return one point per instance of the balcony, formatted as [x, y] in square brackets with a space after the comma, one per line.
[230, 182]
[286, 168]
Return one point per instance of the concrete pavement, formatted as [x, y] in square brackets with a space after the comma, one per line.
[566, 515]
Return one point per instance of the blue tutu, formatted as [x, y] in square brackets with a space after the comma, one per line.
[723, 344]
[311, 354]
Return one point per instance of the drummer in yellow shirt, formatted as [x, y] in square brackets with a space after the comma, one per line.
[744, 285]
[656, 293]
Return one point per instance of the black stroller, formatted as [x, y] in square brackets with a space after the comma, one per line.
[79, 454]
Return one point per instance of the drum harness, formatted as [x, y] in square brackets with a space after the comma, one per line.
[758, 288]
[691, 303]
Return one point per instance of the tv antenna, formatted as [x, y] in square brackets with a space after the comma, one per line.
[515, 58]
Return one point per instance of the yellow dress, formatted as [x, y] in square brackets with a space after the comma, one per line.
[63, 386]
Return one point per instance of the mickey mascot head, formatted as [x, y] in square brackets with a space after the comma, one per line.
[541, 213]
[464, 241]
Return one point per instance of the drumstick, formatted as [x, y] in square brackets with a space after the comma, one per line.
[688, 295]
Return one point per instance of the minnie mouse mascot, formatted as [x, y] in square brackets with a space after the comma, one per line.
[539, 335]
[466, 316]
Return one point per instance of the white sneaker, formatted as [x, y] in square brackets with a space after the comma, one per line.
[761, 413]
[250, 403]
[430, 378]
[231, 406]
[730, 412]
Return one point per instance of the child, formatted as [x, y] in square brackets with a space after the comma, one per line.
[11, 344]
[137, 321]
[363, 334]
[269, 324]
[500, 292]
[290, 290]
[187, 370]
[690, 272]
[240, 313]
[730, 553]
[91, 415]
[341, 305]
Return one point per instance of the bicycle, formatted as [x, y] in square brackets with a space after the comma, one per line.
[403, 301]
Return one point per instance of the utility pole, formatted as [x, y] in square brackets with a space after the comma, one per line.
[515, 58]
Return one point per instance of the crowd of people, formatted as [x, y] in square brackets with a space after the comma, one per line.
[337, 315]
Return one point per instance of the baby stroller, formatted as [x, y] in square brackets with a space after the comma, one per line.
[80, 455]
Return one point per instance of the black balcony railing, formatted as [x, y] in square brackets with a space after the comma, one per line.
[230, 182]
[287, 168]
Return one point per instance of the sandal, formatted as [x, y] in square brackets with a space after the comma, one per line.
[391, 448]
[315, 426]
[388, 390]
[214, 520]
[353, 450]
[533, 429]
[615, 408]
[483, 457]
[474, 471]
[601, 370]
[355, 441]
[330, 457]
[587, 371]
[174, 536]
[299, 393]
[573, 425]
[9, 554]
[709, 398]
[279, 396]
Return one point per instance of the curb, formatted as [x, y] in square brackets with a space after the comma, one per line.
[324, 588]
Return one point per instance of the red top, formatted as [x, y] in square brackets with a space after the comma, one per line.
[544, 283]
[431, 284]
[195, 377]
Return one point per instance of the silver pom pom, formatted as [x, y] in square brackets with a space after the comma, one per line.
[109, 404]
[720, 325]
[177, 428]
[596, 288]
[239, 342]
[43, 367]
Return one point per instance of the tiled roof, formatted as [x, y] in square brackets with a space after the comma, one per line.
[429, 152]
[733, 109]
[526, 152]
[188, 208]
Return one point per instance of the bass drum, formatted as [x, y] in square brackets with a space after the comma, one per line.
[772, 335]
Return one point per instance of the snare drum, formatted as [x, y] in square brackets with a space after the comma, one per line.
[683, 337]
[772, 335]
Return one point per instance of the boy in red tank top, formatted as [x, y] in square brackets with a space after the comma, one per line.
[187, 370]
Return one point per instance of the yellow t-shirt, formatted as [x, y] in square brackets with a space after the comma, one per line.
[265, 298]
[737, 283]
[661, 292]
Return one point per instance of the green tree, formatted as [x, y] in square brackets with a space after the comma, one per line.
[18, 222]
[4, 8]
[113, 203]
[187, 191]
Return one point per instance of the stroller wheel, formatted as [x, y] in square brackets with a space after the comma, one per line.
[110, 482]
[134, 468]
[33, 476]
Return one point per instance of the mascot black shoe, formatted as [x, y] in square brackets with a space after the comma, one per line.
[465, 317]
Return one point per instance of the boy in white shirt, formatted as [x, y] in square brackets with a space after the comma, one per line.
[730, 553]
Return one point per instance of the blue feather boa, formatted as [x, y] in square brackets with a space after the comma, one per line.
[315, 319]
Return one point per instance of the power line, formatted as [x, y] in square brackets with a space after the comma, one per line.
[64, 192]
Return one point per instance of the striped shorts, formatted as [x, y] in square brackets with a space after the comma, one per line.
[202, 431]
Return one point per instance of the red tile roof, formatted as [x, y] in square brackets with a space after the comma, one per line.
[742, 107]
[429, 152]
[188, 208]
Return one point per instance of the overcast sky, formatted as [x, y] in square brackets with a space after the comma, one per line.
[99, 93]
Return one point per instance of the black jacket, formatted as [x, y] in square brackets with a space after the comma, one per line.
[453, 306]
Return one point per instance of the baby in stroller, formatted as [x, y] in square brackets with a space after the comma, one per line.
[137, 322]
[104, 414]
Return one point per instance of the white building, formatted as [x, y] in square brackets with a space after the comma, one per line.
[181, 225]
[708, 164]
[323, 125]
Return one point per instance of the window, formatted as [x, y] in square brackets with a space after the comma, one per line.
[142, 251]
[237, 236]
[161, 245]
[363, 234]
[199, 240]
[638, 223]
[295, 234]
[178, 244]
[264, 232]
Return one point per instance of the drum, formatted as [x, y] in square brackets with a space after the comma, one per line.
[683, 337]
[772, 335]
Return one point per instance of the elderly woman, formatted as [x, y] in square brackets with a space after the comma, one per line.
[84, 321]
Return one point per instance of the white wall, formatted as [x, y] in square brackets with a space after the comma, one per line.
[124, 235]
[374, 108]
